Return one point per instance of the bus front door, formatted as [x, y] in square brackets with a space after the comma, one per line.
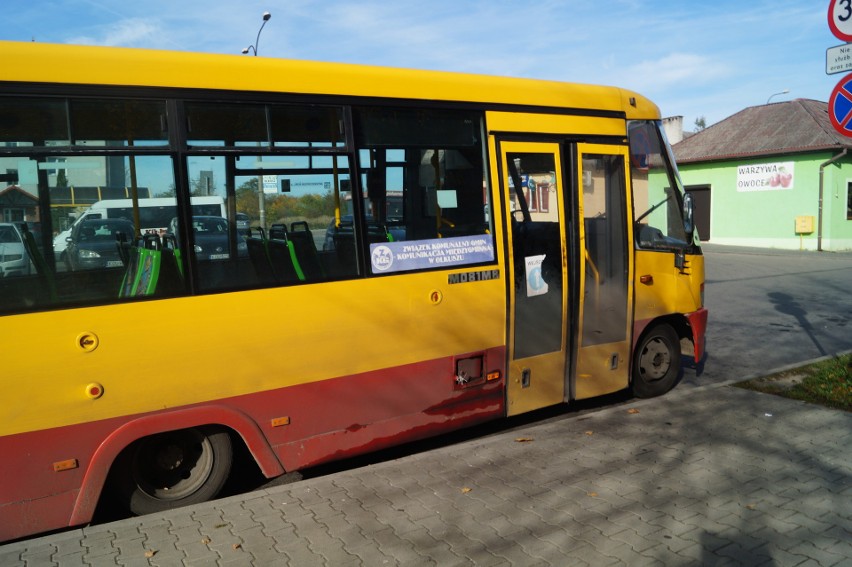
[532, 185]
[606, 273]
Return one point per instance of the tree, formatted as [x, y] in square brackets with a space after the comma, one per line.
[170, 192]
[700, 123]
[61, 179]
[247, 198]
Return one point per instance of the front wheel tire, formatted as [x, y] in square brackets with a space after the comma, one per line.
[173, 469]
[656, 362]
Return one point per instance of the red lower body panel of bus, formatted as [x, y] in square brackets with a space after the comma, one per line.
[53, 478]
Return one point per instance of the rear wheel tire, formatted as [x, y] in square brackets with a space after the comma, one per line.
[173, 469]
[656, 362]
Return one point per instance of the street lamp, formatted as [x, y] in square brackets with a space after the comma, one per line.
[266, 16]
[261, 197]
[785, 91]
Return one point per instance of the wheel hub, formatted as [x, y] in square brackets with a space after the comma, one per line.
[180, 463]
[655, 360]
[170, 457]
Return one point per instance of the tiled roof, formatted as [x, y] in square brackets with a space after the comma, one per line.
[796, 126]
[15, 193]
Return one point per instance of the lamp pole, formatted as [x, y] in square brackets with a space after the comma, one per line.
[261, 196]
[253, 48]
[785, 91]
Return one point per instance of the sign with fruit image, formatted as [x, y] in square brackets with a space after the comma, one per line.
[776, 176]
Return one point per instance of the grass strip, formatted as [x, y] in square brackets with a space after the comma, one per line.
[827, 383]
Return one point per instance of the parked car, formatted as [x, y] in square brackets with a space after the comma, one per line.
[211, 238]
[14, 260]
[60, 242]
[94, 243]
[35, 229]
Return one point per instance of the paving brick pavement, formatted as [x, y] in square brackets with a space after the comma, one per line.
[705, 476]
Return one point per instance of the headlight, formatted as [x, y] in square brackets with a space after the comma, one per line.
[89, 254]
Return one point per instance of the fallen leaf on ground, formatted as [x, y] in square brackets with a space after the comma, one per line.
[633, 410]
[590, 432]
[205, 540]
[523, 439]
[465, 490]
[592, 494]
[237, 545]
[150, 553]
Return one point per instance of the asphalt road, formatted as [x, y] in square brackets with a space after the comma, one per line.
[772, 308]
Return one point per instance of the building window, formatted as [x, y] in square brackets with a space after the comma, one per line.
[849, 200]
[13, 215]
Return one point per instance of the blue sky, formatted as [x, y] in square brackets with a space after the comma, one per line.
[693, 58]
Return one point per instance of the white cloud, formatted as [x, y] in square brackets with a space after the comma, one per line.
[135, 32]
[674, 69]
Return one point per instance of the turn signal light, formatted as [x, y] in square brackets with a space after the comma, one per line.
[65, 465]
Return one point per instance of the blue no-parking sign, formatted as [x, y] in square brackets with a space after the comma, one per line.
[840, 106]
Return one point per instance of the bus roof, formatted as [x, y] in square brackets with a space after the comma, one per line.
[26, 62]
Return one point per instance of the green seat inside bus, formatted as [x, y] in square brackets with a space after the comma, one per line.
[274, 259]
[306, 250]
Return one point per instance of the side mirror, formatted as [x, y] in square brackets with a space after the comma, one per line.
[688, 215]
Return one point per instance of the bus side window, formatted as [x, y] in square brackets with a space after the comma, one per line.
[83, 263]
[424, 181]
[303, 235]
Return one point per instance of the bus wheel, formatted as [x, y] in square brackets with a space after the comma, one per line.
[656, 362]
[173, 469]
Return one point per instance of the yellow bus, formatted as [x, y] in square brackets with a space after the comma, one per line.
[402, 253]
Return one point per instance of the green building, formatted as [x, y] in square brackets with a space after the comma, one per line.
[774, 176]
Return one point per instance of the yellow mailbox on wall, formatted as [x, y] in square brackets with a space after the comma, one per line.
[804, 224]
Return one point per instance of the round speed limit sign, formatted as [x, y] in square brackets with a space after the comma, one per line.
[840, 19]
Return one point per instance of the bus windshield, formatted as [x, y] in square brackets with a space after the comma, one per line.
[657, 190]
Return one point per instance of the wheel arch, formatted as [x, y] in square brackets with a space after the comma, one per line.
[104, 457]
[676, 321]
